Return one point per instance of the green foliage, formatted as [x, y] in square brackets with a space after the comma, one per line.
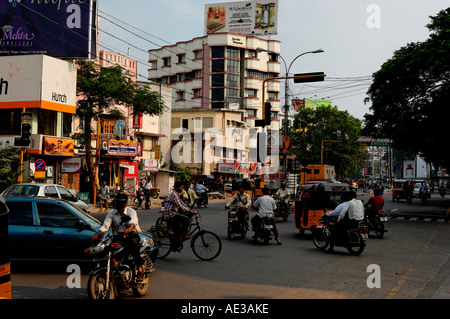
[314, 125]
[9, 166]
[184, 175]
[410, 95]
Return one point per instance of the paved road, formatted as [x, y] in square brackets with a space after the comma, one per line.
[413, 261]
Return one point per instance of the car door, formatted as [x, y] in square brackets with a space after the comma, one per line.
[22, 230]
[59, 237]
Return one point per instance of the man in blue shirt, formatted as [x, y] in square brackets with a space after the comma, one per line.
[202, 191]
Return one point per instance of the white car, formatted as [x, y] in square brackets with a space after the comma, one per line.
[45, 190]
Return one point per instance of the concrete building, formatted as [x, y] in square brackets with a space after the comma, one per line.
[223, 73]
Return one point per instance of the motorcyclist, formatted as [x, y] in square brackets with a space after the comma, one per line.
[347, 213]
[423, 190]
[241, 200]
[376, 203]
[265, 204]
[202, 191]
[123, 220]
[283, 193]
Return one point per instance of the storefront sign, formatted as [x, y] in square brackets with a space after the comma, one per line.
[71, 165]
[150, 165]
[58, 146]
[122, 148]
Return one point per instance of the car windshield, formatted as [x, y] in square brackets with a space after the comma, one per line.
[23, 190]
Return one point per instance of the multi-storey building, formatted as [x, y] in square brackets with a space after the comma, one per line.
[221, 72]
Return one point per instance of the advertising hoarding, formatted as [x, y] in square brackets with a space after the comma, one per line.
[243, 17]
[57, 28]
[38, 81]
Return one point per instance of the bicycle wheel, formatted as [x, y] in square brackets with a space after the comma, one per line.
[206, 245]
[136, 203]
[162, 238]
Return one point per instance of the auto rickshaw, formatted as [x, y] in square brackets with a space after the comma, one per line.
[399, 189]
[317, 199]
[253, 187]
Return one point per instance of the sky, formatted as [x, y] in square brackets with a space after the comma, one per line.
[358, 37]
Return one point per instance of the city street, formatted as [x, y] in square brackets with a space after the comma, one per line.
[413, 260]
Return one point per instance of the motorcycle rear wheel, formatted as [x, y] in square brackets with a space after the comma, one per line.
[356, 244]
[230, 231]
[321, 238]
[97, 287]
[378, 228]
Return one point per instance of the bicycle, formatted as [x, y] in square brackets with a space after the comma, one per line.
[205, 244]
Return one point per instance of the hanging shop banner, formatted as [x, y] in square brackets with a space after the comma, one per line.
[246, 17]
[58, 28]
[122, 148]
[58, 146]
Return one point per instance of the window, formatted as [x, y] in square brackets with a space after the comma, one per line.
[24, 190]
[252, 92]
[65, 194]
[53, 215]
[198, 54]
[50, 191]
[175, 122]
[208, 122]
[182, 58]
[252, 54]
[232, 93]
[196, 92]
[67, 124]
[186, 124]
[218, 80]
[180, 95]
[20, 213]
[232, 53]
[218, 52]
[108, 126]
[218, 66]
[232, 80]
[217, 94]
[233, 66]
[166, 61]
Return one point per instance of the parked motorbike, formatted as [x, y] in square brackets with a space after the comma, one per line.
[116, 270]
[154, 192]
[376, 222]
[354, 238]
[442, 190]
[265, 229]
[140, 199]
[237, 222]
[282, 210]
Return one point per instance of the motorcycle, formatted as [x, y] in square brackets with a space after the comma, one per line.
[442, 190]
[237, 224]
[116, 271]
[354, 239]
[141, 198]
[202, 199]
[265, 229]
[424, 195]
[375, 222]
[283, 210]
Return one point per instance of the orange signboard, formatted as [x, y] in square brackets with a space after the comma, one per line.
[58, 146]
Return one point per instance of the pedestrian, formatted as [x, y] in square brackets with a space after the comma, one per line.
[104, 196]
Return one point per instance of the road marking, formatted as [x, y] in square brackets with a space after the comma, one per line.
[405, 277]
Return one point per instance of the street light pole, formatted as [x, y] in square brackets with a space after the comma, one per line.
[286, 90]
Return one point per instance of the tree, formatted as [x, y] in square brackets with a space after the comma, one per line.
[410, 95]
[314, 125]
[98, 90]
[9, 166]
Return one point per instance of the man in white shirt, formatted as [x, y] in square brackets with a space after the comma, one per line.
[265, 204]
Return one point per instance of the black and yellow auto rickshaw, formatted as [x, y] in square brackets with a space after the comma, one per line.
[5, 272]
[399, 189]
[315, 200]
[253, 187]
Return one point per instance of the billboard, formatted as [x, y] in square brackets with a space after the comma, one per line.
[58, 28]
[38, 81]
[243, 17]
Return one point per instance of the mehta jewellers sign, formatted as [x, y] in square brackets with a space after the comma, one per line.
[58, 28]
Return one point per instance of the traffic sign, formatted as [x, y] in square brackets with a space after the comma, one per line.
[40, 165]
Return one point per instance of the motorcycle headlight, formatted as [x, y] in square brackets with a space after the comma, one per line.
[149, 241]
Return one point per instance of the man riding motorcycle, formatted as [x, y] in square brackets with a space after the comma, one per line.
[347, 212]
[283, 193]
[376, 203]
[241, 200]
[265, 204]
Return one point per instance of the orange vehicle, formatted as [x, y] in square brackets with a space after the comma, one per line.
[317, 198]
[399, 189]
[5, 272]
